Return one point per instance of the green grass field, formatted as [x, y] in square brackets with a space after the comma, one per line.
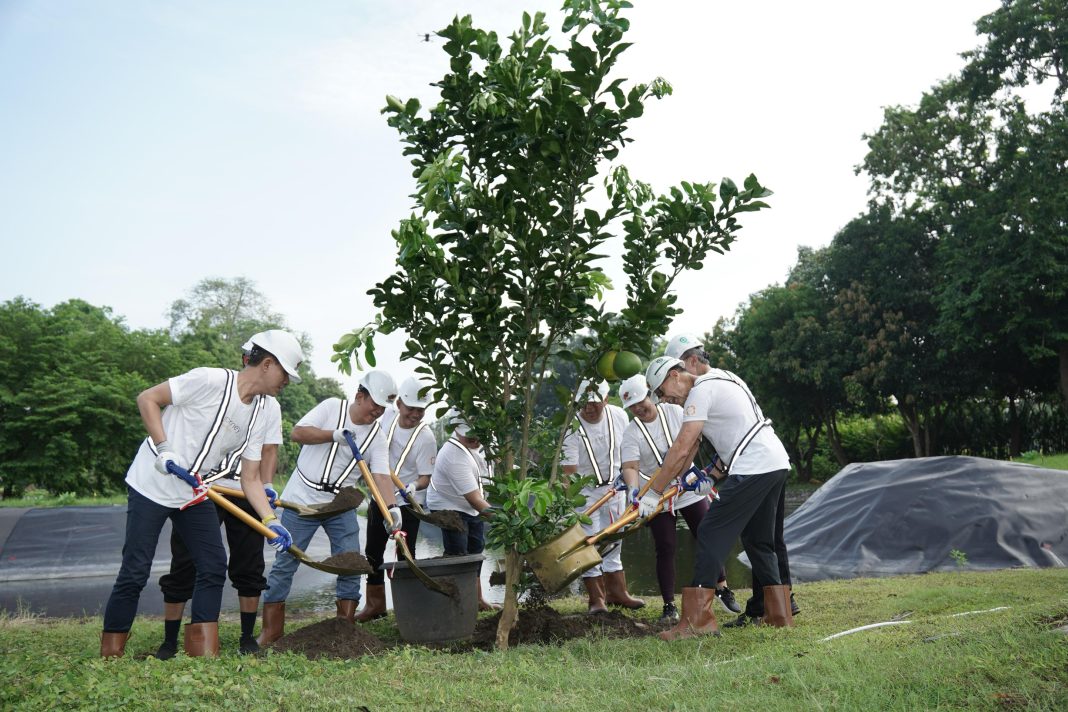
[1013, 658]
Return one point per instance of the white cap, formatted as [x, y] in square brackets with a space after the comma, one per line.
[456, 421]
[381, 386]
[409, 393]
[681, 343]
[658, 371]
[633, 390]
[587, 392]
[283, 346]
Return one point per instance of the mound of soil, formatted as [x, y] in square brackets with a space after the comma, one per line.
[351, 560]
[332, 638]
[545, 626]
[347, 498]
[446, 519]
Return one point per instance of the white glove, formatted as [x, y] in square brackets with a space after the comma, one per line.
[409, 492]
[395, 515]
[648, 503]
[165, 456]
[339, 437]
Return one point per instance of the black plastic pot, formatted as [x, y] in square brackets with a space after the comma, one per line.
[426, 616]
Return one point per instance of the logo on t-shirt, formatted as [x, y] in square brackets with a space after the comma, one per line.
[691, 409]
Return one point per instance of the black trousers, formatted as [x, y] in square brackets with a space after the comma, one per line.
[245, 566]
[377, 536]
[746, 508]
[754, 607]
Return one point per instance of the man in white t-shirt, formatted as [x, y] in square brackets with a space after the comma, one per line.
[689, 349]
[412, 451]
[325, 464]
[722, 409]
[645, 441]
[193, 421]
[456, 485]
[245, 545]
[593, 448]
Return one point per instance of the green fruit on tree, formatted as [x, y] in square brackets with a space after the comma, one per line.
[626, 364]
[604, 366]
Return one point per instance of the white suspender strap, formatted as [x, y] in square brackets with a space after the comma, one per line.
[231, 464]
[474, 463]
[407, 447]
[761, 421]
[611, 450]
[216, 425]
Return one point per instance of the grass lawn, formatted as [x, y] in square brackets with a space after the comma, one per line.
[1051, 462]
[1015, 657]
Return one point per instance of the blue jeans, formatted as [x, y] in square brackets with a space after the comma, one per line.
[199, 528]
[344, 533]
[470, 541]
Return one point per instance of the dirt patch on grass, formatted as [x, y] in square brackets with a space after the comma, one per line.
[332, 638]
[546, 626]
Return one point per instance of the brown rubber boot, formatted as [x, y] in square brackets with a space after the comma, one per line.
[595, 591]
[346, 609]
[697, 616]
[615, 585]
[777, 607]
[202, 640]
[374, 603]
[274, 623]
[113, 645]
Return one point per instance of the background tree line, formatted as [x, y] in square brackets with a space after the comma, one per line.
[69, 377]
[936, 322]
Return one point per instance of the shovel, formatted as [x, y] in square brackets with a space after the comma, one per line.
[417, 509]
[399, 535]
[311, 511]
[293, 549]
[560, 561]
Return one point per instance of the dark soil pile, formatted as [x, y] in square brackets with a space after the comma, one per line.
[351, 560]
[445, 519]
[545, 626]
[332, 638]
[347, 498]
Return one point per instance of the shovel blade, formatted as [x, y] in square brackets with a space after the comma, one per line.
[562, 560]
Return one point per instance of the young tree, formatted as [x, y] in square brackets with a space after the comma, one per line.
[499, 270]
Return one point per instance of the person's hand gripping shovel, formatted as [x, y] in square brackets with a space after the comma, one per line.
[394, 526]
[277, 535]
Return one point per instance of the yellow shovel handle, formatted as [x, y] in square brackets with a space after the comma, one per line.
[376, 495]
[631, 516]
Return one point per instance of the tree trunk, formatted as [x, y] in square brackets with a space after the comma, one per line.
[908, 414]
[510, 612]
[835, 441]
[1015, 436]
[1063, 357]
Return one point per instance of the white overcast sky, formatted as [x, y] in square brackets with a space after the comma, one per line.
[147, 145]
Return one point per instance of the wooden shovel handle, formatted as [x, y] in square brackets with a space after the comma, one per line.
[376, 495]
[241, 514]
[400, 485]
[630, 516]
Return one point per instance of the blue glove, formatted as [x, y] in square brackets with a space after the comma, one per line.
[695, 480]
[632, 496]
[272, 496]
[284, 539]
[619, 483]
[190, 478]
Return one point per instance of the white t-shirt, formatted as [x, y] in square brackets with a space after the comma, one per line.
[610, 428]
[457, 471]
[636, 447]
[421, 456]
[728, 410]
[195, 400]
[272, 435]
[312, 460]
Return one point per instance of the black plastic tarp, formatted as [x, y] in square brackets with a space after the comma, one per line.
[930, 514]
